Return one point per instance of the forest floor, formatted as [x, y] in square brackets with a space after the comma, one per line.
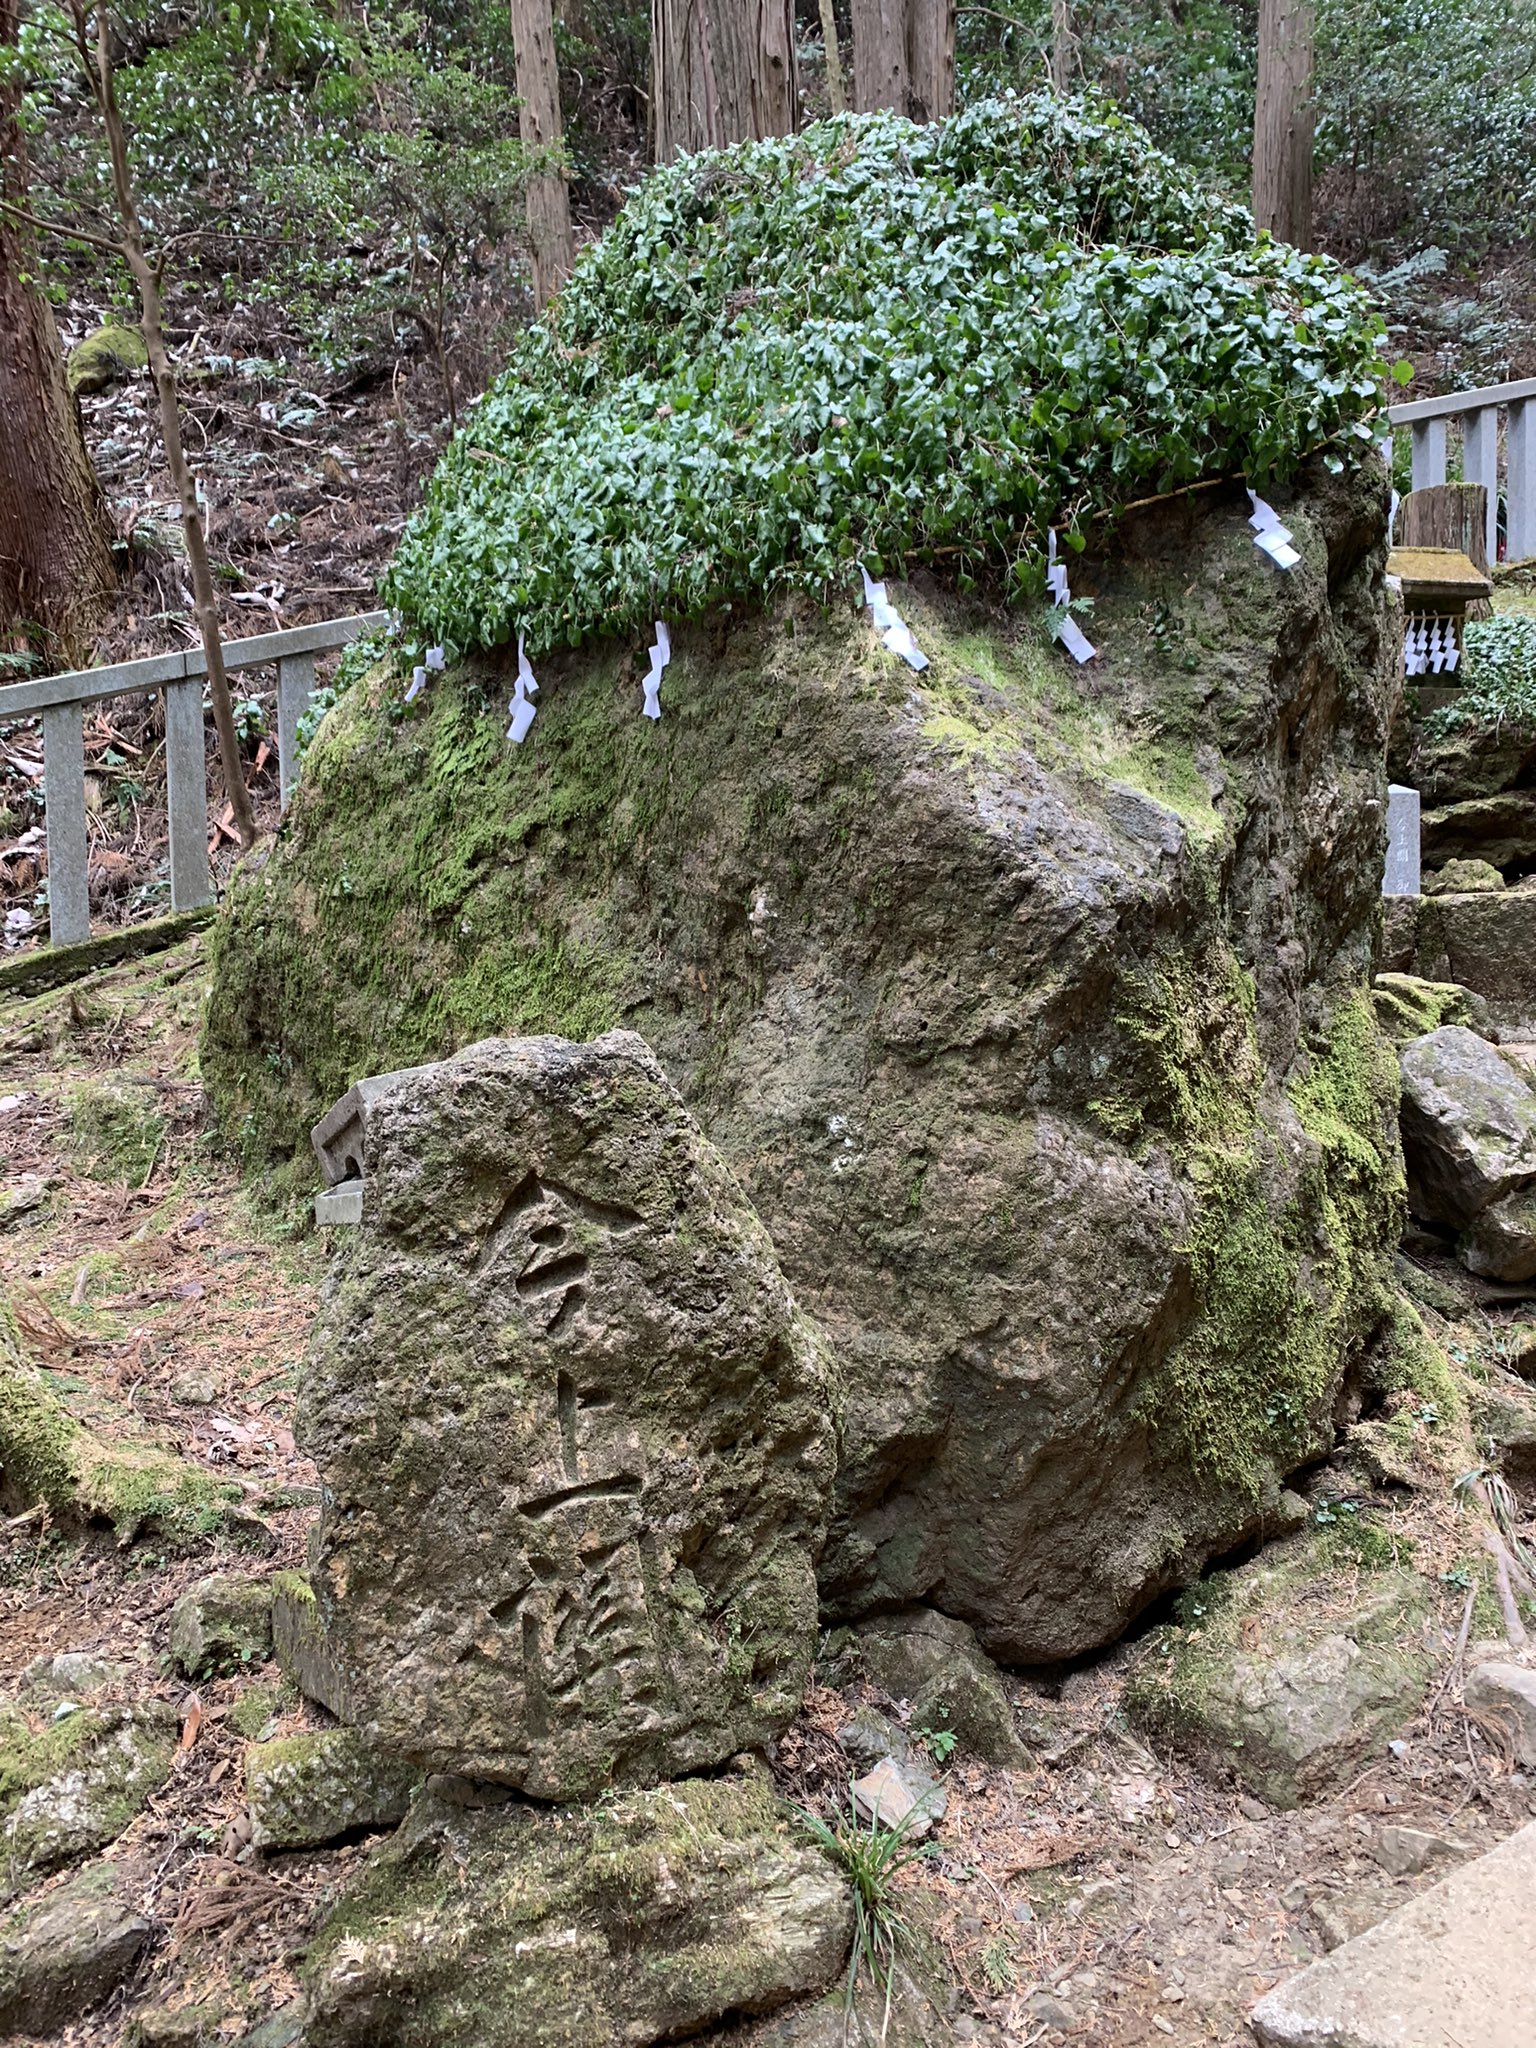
[1104, 1895]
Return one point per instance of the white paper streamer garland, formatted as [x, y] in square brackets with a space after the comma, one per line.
[436, 660]
[524, 690]
[890, 625]
[1068, 632]
[1429, 647]
[661, 654]
[1269, 536]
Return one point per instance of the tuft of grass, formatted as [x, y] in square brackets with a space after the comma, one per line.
[872, 1857]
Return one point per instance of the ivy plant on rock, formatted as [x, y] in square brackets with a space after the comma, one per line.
[878, 340]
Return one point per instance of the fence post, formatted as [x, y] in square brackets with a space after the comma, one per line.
[186, 790]
[295, 687]
[1480, 465]
[1520, 499]
[69, 898]
[1428, 453]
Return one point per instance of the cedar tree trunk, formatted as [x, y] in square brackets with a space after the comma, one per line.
[1283, 121]
[538, 123]
[56, 575]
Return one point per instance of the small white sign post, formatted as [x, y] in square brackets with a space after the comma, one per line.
[1402, 878]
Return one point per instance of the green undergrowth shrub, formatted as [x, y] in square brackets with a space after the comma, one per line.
[334, 173]
[1500, 674]
[874, 340]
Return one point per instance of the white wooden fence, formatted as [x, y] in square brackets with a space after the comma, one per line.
[61, 702]
[1478, 412]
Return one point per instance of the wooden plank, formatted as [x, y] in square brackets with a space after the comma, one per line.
[295, 687]
[1450, 516]
[1428, 454]
[89, 685]
[69, 901]
[186, 786]
[1520, 484]
[45, 967]
[1455, 402]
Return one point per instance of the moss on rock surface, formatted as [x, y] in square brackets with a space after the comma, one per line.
[640, 1919]
[316, 1787]
[71, 1785]
[1290, 1672]
[106, 356]
[48, 1455]
[221, 1623]
[1028, 1004]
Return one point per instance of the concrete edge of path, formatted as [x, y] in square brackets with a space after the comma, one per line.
[1454, 1968]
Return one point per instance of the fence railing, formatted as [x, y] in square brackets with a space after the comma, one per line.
[61, 702]
[1478, 412]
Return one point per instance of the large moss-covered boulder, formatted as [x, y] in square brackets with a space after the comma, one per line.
[1029, 1005]
[575, 1437]
[640, 1919]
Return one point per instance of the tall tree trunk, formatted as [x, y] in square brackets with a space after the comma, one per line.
[147, 282]
[755, 68]
[685, 100]
[930, 59]
[904, 57]
[1283, 122]
[1063, 45]
[837, 97]
[880, 77]
[56, 574]
[721, 71]
[550, 240]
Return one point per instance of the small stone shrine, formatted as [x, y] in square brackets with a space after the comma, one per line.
[574, 1434]
[1437, 584]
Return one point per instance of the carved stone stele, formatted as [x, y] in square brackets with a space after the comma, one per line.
[574, 1435]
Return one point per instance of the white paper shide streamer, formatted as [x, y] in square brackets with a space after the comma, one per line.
[524, 690]
[1068, 631]
[890, 625]
[435, 662]
[661, 654]
[1429, 646]
[1269, 536]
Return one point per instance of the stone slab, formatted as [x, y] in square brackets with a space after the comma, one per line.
[574, 1434]
[1455, 1968]
[340, 1205]
[1402, 876]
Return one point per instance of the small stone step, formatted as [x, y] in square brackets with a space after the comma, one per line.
[1457, 1964]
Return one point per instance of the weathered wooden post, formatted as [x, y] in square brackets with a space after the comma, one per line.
[186, 789]
[69, 896]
